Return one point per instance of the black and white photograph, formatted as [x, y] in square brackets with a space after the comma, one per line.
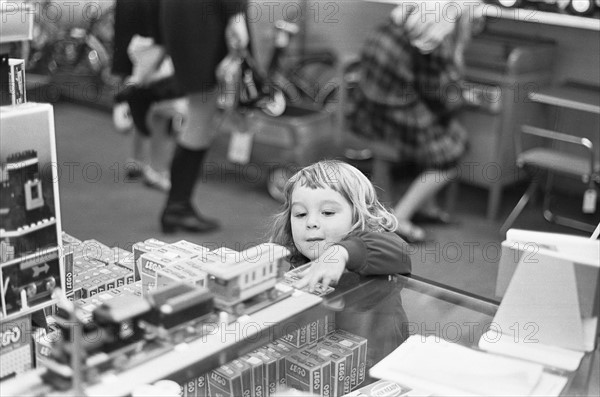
[269, 198]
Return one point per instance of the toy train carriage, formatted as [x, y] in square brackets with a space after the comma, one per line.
[180, 311]
[252, 273]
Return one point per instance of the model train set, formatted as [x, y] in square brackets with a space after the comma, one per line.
[145, 320]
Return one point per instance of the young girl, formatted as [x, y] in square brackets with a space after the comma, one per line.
[332, 218]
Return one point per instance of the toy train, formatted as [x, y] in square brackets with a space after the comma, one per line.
[127, 329]
[247, 281]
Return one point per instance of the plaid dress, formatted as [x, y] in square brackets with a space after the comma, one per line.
[409, 100]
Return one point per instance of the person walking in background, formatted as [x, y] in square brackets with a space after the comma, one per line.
[147, 72]
[409, 94]
[196, 34]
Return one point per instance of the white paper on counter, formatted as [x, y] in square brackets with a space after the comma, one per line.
[551, 356]
[443, 368]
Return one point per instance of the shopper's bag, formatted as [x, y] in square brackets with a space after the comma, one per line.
[243, 86]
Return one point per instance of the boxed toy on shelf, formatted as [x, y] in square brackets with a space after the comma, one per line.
[30, 229]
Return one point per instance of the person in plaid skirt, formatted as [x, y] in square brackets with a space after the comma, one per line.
[408, 96]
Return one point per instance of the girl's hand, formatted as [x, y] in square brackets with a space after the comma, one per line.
[326, 269]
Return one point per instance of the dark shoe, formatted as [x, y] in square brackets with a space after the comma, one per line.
[410, 232]
[436, 215]
[134, 169]
[184, 217]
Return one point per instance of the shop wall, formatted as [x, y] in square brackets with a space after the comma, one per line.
[343, 26]
[578, 49]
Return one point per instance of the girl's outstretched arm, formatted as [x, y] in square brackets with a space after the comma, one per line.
[376, 253]
[366, 253]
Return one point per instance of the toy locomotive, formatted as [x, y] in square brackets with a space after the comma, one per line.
[126, 330]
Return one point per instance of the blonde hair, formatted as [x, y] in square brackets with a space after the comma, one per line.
[368, 214]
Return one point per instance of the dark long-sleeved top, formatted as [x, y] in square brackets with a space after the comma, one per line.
[132, 17]
[376, 253]
[194, 35]
[380, 316]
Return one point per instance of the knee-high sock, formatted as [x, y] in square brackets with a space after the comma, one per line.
[185, 168]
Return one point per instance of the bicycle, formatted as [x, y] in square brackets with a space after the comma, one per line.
[73, 50]
[308, 82]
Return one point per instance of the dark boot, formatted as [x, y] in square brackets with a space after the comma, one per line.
[182, 216]
[179, 212]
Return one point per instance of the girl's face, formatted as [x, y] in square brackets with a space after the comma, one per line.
[319, 218]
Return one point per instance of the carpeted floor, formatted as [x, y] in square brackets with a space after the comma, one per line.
[97, 202]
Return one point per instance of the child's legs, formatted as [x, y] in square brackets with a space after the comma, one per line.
[139, 146]
[421, 191]
[161, 141]
[139, 104]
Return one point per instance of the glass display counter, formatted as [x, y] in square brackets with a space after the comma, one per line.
[385, 310]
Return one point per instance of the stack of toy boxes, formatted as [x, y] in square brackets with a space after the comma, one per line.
[87, 305]
[95, 269]
[171, 263]
[197, 387]
[332, 367]
[358, 346]
[310, 333]
[306, 371]
[340, 359]
[141, 248]
[280, 363]
[70, 245]
[258, 373]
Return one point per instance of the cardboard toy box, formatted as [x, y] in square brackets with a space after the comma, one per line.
[381, 388]
[225, 381]
[16, 348]
[358, 346]
[31, 258]
[340, 361]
